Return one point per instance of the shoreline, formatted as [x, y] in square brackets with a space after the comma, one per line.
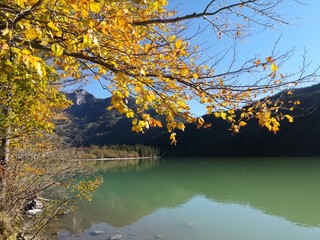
[114, 159]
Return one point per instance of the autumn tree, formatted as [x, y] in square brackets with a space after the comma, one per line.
[139, 49]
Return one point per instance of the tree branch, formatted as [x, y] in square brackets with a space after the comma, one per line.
[27, 12]
[190, 16]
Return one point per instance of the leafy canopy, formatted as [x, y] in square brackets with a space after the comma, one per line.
[134, 48]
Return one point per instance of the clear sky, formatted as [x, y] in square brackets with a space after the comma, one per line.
[302, 33]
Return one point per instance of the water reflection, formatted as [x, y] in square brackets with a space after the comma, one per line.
[131, 165]
[178, 196]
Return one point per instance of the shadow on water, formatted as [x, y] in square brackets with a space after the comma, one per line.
[287, 188]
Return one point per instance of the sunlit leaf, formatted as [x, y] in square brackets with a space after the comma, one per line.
[274, 67]
[95, 7]
[290, 119]
[178, 43]
[57, 49]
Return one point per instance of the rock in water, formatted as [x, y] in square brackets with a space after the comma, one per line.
[158, 236]
[34, 211]
[33, 207]
[33, 204]
[96, 232]
[115, 237]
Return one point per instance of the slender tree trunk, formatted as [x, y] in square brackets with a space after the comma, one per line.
[6, 135]
[5, 146]
[4, 156]
[6, 111]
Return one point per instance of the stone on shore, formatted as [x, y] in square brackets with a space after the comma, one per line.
[34, 211]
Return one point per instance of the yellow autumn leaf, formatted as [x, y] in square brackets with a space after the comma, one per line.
[5, 31]
[230, 119]
[53, 26]
[134, 121]
[223, 115]
[146, 124]
[57, 49]
[172, 38]
[178, 43]
[142, 123]
[173, 138]
[143, 72]
[181, 126]
[75, 7]
[38, 68]
[195, 76]
[290, 119]
[137, 89]
[242, 124]
[31, 33]
[25, 52]
[200, 121]
[130, 114]
[181, 104]
[21, 3]
[31, 2]
[274, 67]
[84, 13]
[158, 123]
[95, 7]
[150, 97]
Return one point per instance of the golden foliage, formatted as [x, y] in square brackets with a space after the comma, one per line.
[136, 49]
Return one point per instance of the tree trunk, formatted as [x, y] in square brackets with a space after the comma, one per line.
[5, 146]
[6, 135]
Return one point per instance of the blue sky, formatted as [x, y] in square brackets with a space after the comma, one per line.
[303, 33]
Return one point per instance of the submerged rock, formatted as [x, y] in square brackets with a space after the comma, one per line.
[158, 236]
[115, 237]
[96, 232]
[188, 224]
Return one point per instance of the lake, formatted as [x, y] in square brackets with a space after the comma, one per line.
[202, 198]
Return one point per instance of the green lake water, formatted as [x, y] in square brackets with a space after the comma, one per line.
[202, 198]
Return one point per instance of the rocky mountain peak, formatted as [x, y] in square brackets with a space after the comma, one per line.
[81, 96]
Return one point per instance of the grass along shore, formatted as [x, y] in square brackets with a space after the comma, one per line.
[111, 153]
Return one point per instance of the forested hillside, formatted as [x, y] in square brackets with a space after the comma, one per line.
[99, 127]
[94, 125]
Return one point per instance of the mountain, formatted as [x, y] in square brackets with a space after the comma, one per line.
[300, 138]
[95, 125]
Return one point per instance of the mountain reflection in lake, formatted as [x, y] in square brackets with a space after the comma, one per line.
[181, 199]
